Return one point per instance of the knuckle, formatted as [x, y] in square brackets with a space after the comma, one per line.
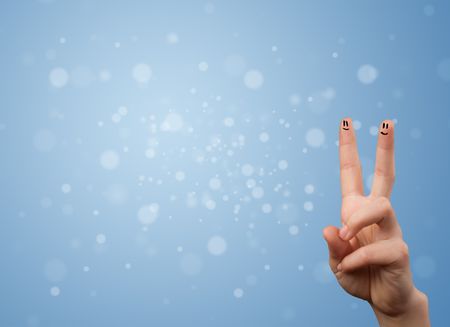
[364, 256]
[385, 173]
[403, 250]
[386, 207]
[349, 165]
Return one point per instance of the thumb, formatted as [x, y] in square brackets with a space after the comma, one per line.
[337, 247]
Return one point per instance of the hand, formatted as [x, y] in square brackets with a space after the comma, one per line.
[368, 255]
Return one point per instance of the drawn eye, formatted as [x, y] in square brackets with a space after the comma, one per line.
[384, 126]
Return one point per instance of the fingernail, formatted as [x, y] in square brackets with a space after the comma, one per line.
[339, 267]
[344, 232]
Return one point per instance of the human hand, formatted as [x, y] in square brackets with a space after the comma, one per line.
[368, 255]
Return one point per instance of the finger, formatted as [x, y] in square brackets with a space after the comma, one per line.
[351, 176]
[385, 165]
[378, 212]
[337, 247]
[382, 253]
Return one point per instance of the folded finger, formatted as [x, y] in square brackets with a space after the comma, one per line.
[337, 247]
[378, 212]
[382, 253]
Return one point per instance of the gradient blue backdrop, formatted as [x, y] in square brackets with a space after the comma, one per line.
[111, 106]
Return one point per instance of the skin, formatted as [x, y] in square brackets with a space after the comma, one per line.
[368, 254]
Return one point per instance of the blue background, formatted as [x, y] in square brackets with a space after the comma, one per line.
[73, 251]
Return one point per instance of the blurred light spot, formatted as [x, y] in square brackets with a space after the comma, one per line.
[100, 238]
[238, 293]
[203, 66]
[294, 100]
[309, 189]
[315, 137]
[258, 192]
[105, 75]
[172, 38]
[66, 188]
[109, 160]
[373, 130]
[172, 123]
[142, 73]
[217, 245]
[253, 79]
[367, 74]
[283, 164]
[294, 230]
[209, 8]
[428, 10]
[46, 202]
[264, 137]
[228, 122]
[55, 291]
[308, 206]
[180, 176]
[148, 214]
[210, 204]
[247, 170]
[58, 77]
[215, 183]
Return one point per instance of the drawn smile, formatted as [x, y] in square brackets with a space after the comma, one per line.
[383, 133]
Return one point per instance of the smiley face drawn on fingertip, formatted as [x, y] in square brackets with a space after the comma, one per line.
[384, 129]
[345, 125]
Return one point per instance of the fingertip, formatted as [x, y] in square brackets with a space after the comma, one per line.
[336, 245]
[346, 131]
[329, 232]
[386, 131]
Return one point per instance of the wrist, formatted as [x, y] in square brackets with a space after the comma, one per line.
[414, 315]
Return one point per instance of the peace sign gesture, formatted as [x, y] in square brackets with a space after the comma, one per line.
[367, 254]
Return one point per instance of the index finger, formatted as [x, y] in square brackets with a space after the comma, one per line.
[351, 176]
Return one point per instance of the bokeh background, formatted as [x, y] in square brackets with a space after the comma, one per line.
[172, 163]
